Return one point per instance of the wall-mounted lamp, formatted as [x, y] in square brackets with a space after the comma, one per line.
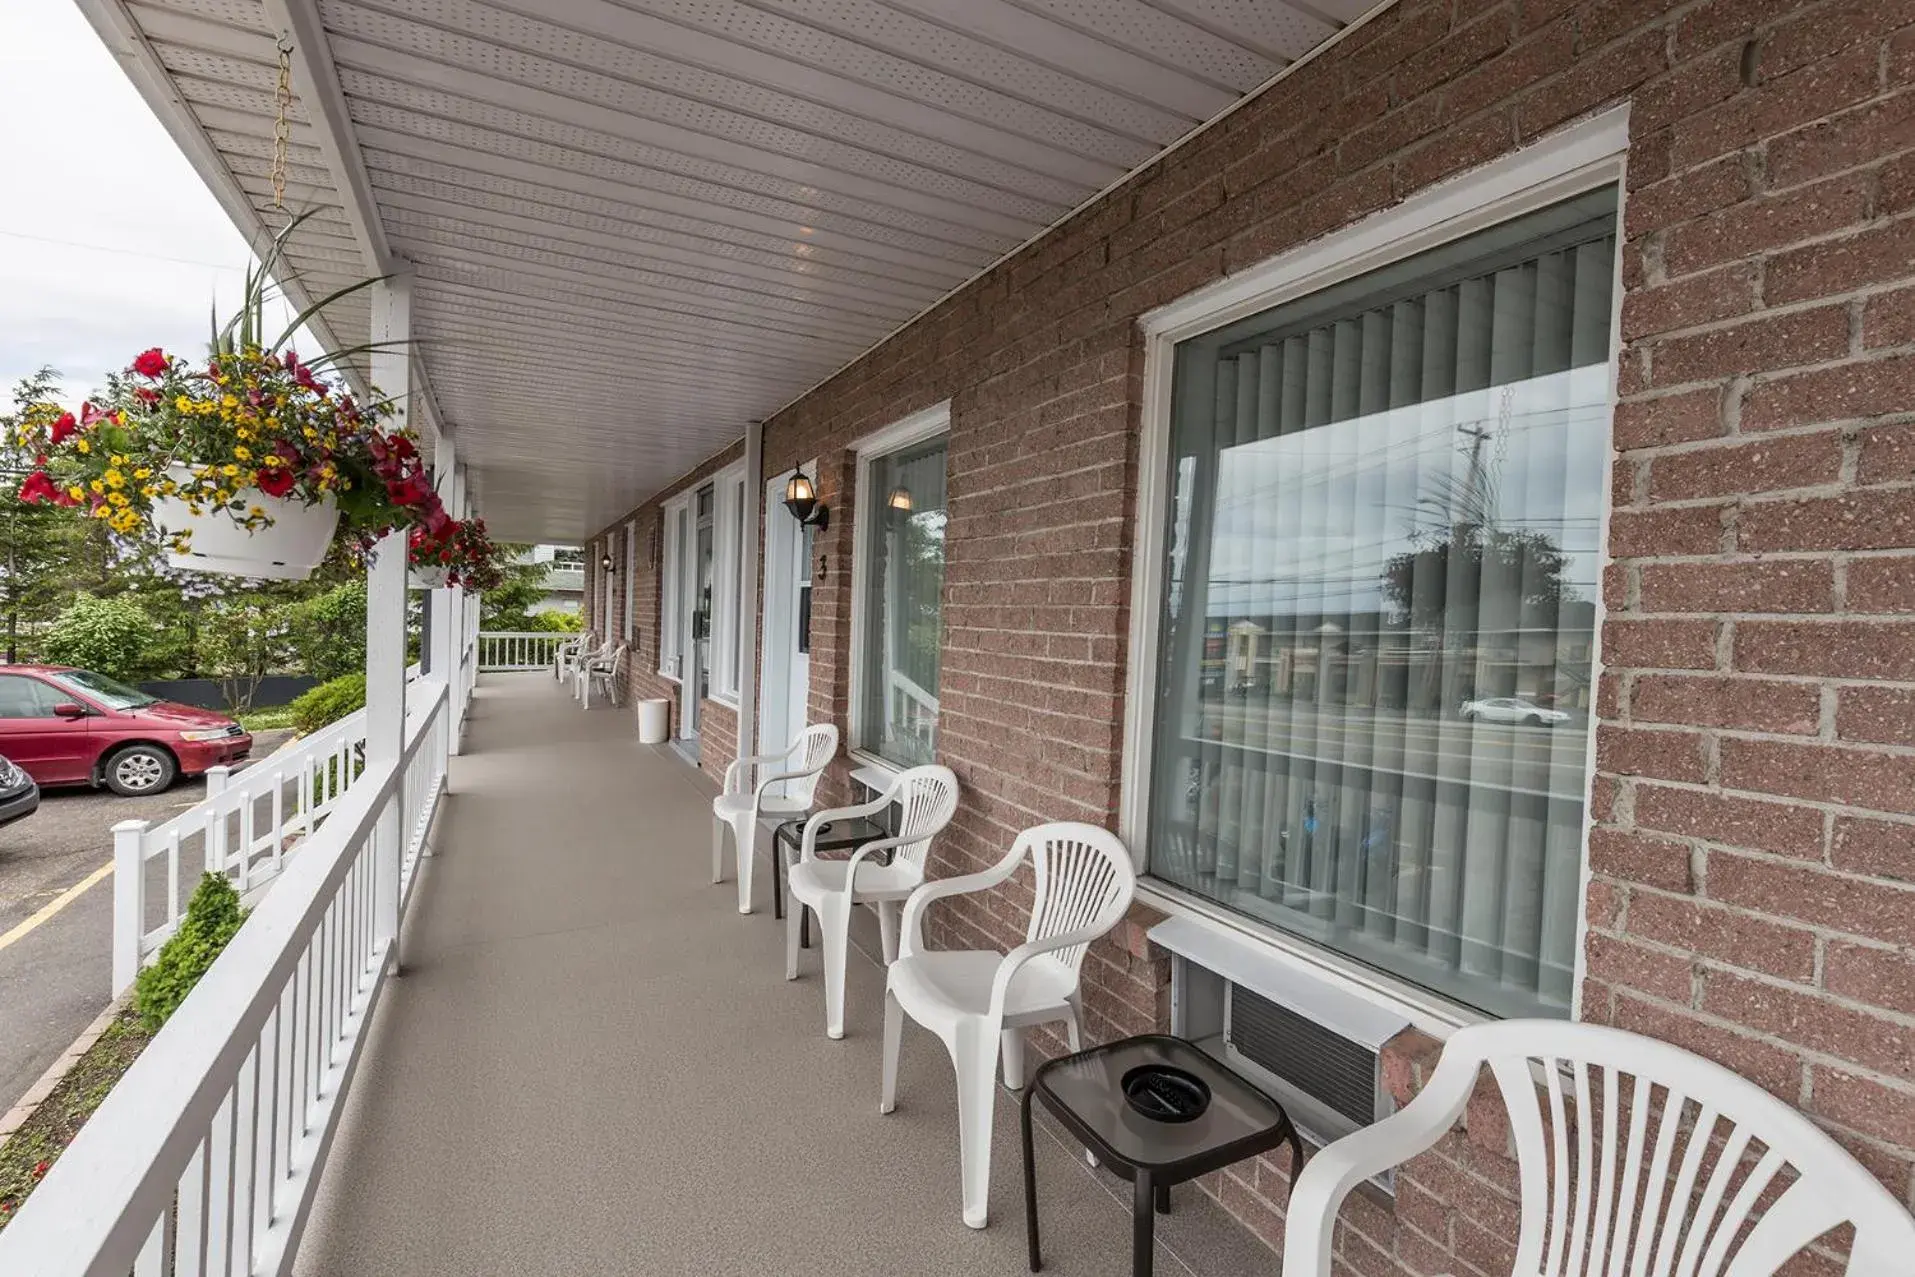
[897, 506]
[801, 498]
[606, 562]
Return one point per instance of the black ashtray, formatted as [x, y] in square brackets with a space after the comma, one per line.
[1164, 1093]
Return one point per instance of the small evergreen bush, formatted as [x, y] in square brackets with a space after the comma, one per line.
[329, 702]
[212, 916]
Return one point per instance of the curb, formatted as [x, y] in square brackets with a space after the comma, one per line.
[36, 1095]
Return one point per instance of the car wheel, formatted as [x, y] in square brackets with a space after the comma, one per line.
[140, 769]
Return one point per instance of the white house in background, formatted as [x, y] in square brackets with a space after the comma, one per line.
[565, 580]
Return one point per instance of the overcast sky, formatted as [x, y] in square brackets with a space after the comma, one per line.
[109, 242]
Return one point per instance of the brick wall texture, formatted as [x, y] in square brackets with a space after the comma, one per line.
[1753, 844]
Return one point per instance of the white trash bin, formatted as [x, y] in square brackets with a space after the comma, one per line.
[654, 721]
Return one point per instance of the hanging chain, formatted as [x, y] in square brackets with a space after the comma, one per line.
[282, 126]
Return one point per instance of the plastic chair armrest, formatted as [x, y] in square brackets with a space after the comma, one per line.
[858, 857]
[1016, 958]
[807, 846]
[1317, 1194]
[911, 939]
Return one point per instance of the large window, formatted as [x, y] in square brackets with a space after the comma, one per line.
[1380, 584]
[901, 512]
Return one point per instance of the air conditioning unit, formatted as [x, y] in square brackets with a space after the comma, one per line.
[1312, 1045]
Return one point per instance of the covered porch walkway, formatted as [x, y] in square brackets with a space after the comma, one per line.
[593, 1064]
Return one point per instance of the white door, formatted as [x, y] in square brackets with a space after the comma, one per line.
[785, 671]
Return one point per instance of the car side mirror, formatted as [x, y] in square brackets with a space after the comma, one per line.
[69, 709]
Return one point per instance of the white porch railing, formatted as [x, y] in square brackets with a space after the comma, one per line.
[518, 649]
[245, 827]
[205, 1156]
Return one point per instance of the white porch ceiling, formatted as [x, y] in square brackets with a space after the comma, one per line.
[635, 225]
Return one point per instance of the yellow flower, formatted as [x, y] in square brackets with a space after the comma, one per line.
[116, 460]
[149, 491]
[256, 512]
[76, 492]
[183, 404]
[101, 511]
[114, 479]
[229, 401]
[229, 470]
[310, 433]
[243, 453]
[272, 459]
[97, 486]
[142, 473]
[83, 445]
[116, 498]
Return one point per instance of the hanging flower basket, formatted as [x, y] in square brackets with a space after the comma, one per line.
[249, 462]
[291, 545]
[458, 552]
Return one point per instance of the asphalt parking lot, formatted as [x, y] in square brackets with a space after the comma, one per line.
[56, 977]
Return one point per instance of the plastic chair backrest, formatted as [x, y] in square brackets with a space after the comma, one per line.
[1637, 1157]
[811, 753]
[927, 798]
[1084, 880]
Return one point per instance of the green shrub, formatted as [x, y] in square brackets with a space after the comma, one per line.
[329, 631]
[555, 622]
[212, 916]
[329, 702]
[110, 636]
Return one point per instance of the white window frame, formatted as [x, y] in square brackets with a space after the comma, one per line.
[728, 548]
[671, 611]
[925, 424]
[1583, 157]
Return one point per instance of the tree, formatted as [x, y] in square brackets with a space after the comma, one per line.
[328, 632]
[40, 544]
[242, 640]
[111, 636]
[510, 606]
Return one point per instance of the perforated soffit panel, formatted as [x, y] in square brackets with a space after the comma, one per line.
[635, 225]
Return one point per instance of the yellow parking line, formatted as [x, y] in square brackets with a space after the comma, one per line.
[56, 904]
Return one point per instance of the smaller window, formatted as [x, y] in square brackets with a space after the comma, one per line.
[900, 589]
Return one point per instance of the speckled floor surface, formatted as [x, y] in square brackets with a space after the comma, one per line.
[593, 1065]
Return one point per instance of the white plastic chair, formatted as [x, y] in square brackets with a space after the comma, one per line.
[742, 803]
[604, 674]
[1583, 1181]
[927, 799]
[979, 1002]
[584, 662]
[565, 656]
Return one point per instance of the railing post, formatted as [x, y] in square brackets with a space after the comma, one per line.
[386, 625]
[129, 901]
[218, 777]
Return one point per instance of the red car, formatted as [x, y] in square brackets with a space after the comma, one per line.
[74, 727]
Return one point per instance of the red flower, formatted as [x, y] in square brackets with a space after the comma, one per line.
[146, 394]
[151, 363]
[39, 487]
[91, 416]
[274, 481]
[41, 1168]
[65, 428]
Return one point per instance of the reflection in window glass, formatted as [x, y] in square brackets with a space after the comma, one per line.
[903, 617]
[1381, 583]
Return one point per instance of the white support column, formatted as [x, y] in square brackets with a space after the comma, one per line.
[444, 603]
[129, 901]
[386, 619]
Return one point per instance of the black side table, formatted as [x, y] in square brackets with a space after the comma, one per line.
[834, 835]
[1185, 1115]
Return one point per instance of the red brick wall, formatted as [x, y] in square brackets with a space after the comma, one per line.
[1753, 893]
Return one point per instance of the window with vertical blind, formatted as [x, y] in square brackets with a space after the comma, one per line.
[1378, 620]
[901, 511]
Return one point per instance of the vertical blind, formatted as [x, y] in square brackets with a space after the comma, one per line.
[903, 603]
[1381, 578]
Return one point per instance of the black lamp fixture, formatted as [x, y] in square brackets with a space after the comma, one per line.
[801, 498]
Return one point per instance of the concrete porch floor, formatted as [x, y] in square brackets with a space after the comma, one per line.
[594, 1065]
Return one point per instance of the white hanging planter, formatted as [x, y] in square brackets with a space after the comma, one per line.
[289, 550]
[427, 578]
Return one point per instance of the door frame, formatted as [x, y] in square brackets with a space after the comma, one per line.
[778, 687]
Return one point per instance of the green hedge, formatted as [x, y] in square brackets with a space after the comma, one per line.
[212, 916]
[329, 702]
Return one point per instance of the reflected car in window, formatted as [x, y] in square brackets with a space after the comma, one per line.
[1512, 709]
